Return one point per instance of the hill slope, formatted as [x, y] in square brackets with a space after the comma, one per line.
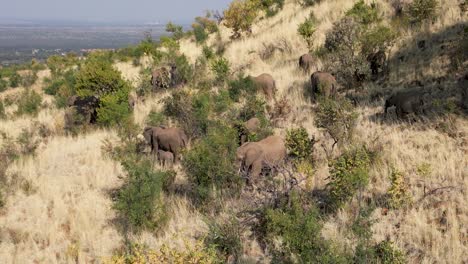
[58, 208]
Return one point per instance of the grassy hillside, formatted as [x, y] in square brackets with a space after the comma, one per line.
[59, 186]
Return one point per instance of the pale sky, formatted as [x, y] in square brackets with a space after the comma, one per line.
[108, 10]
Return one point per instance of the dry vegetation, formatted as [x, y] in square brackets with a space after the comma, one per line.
[64, 214]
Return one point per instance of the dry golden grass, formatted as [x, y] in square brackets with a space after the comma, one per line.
[67, 216]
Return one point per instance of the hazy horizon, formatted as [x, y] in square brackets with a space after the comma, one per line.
[105, 11]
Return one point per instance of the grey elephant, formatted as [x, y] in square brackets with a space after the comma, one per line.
[165, 158]
[252, 157]
[249, 127]
[323, 83]
[306, 62]
[406, 102]
[170, 139]
[161, 78]
[266, 84]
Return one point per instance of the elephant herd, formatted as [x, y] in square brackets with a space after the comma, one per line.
[166, 143]
[405, 102]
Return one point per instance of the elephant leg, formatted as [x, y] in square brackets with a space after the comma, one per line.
[255, 171]
[176, 155]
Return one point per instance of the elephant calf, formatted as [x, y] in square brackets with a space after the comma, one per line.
[405, 102]
[323, 83]
[252, 157]
[306, 62]
[265, 83]
[166, 158]
[170, 139]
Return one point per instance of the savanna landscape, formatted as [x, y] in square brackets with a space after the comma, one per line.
[276, 131]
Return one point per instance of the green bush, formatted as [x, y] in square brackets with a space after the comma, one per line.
[378, 38]
[225, 236]
[210, 163]
[348, 174]
[365, 14]
[241, 87]
[398, 194]
[176, 30]
[299, 143]
[191, 112]
[299, 231]
[208, 53]
[15, 80]
[307, 29]
[112, 110]
[271, 7]
[184, 71]
[240, 16]
[220, 68]
[3, 85]
[253, 107]
[200, 34]
[387, 253]
[337, 117]
[139, 201]
[29, 103]
[97, 77]
[423, 10]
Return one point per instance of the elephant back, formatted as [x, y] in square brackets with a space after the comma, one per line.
[323, 83]
[273, 148]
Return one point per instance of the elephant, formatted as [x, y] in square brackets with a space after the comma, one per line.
[406, 102]
[323, 83]
[251, 126]
[85, 106]
[166, 158]
[377, 62]
[170, 139]
[266, 84]
[161, 78]
[252, 157]
[306, 62]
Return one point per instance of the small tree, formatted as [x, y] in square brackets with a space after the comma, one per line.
[220, 68]
[423, 10]
[176, 30]
[399, 195]
[29, 103]
[299, 143]
[240, 16]
[337, 117]
[210, 163]
[349, 173]
[138, 201]
[307, 30]
[98, 78]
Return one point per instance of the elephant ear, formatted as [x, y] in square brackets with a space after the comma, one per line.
[253, 154]
[147, 134]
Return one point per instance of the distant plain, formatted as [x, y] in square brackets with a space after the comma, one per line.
[20, 43]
